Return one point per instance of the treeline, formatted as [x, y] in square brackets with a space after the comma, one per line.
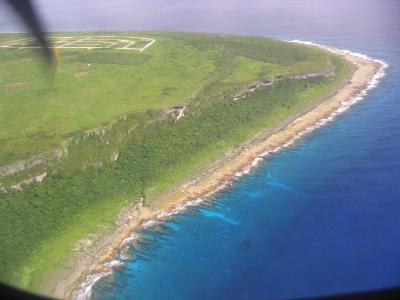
[259, 48]
[150, 154]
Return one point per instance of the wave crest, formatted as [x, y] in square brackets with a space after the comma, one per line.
[84, 291]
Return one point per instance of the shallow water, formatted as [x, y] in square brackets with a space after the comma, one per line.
[321, 216]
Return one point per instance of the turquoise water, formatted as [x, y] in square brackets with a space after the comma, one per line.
[319, 217]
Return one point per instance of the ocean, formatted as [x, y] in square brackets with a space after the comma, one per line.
[321, 216]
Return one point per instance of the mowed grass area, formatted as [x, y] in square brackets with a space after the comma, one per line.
[82, 193]
[93, 87]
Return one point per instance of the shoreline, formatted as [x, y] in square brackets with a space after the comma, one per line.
[100, 261]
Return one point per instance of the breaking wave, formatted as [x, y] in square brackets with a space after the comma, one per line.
[84, 291]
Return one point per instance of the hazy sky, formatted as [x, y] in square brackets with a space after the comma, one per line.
[259, 16]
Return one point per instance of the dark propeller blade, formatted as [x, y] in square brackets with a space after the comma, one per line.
[26, 11]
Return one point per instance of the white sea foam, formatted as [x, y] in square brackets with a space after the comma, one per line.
[373, 82]
[129, 239]
[113, 263]
[84, 291]
[149, 223]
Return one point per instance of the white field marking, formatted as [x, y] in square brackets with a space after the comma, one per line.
[148, 45]
[74, 42]
[111, 44]
[12, 42]
[60, 42]
[60, 37]
[69, 42]
[90, 43]
[151, 40]
[63, 40]
[129, 44]
[87, 47]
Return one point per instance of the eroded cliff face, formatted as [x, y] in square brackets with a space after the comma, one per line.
[245, 90]
[109, 137]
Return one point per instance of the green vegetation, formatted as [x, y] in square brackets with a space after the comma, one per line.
[85, 188]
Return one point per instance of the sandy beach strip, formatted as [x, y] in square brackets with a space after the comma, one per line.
[85, 268]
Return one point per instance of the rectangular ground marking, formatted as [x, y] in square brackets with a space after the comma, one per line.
[87, 42]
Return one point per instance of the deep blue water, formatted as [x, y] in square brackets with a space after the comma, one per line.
[322, 216]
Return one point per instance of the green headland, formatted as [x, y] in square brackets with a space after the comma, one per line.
[118, 125]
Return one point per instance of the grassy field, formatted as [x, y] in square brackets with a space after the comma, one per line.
[93, 88]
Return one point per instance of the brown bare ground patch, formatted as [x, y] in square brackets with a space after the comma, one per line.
[16, 86]
[79, 75]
